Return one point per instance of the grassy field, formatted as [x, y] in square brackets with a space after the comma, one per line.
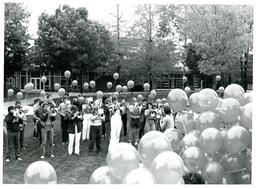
[69, 169]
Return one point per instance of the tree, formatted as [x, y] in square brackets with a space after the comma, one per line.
[68, 40]
[15, 38]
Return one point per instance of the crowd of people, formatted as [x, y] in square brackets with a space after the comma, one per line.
[83, 119]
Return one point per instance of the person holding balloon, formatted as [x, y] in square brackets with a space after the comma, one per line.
[13, 129]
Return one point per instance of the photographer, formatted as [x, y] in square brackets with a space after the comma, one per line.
[13, 128]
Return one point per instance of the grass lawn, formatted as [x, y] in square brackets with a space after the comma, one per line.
[69, 169]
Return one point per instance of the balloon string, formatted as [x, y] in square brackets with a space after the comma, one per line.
[236, 170]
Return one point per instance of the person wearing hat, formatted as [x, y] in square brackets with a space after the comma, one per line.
[74, 129]
[63, 107]
[22, 125]
[13, 132]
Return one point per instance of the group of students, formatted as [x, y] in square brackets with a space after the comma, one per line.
[87, 119]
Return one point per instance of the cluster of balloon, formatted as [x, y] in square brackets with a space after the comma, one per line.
[119, 88]
[124, 89]
[61, 92]
[146, 87]
[40, 172]
[92, 84]
[56, 86]
[99, 94]
[130, 84]
[86, 86]
[178, 100]
[184, 122]
[109, 85]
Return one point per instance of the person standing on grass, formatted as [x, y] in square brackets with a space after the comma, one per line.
[134, 110]
[62, 109]
[95, 130]
[150, 115]
[36, 106]
[142, 118]
[106, 122]
[46, 119]
[87, 110]
[36, 118]
[13, 122]
[123, 110]
[23, 125]
[74, 130]
[167, 121]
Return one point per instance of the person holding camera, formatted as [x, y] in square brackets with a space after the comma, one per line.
[74, 130]
[46, 118]
[13, 122]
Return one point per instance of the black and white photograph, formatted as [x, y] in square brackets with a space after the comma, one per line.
[124, 93]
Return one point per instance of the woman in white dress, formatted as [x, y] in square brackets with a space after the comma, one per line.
[86, 121]
[115, 122]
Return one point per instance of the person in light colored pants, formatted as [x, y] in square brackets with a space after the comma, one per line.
[86, 125]
[116, 127]
[74, 138]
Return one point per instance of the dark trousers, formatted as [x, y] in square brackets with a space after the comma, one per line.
[64, 129]
[106, 129]
[13, 138]
[124, 120]
[95, 137]
[22, 132]
[37, 131]
[142, 128]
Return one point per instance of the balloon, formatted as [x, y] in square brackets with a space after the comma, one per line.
[218, 78]
[233, 162]
[221, 89]
[190, 139]
[211, 140]
[152, 144]
[146, 86]
[246, 116]
[118, 88]
[187, 89]
[153, 93]
[164, 100]
[42, 93]
[211, 101]
[30, 86]
[109, 85]
[81, 99]
[234, 91]
[103, 175]
[177, 99]
[56, 86]
[237, 139]
[246, 98]
[196, 101]
[174, 136]
[124, 89]
[229, 110]
[130, 84]
[213, 172]
[40, 172]
[194, 159]
[184, 122]
[10, 92]
[86, 85]
[74, 83]
[122, 158]
[140, 97]
[139, 176]
[99, 94]
[61, 92]
[92, 84]
[168, 168]
[67, 74]
[26, 87]
[116, 93]
[228, 179]
[184, 78]
[116, 76]
[208, 119]
[19, 95]
[43, 79]
[248, 162]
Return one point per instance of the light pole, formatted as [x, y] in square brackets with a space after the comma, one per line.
[243, 71]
